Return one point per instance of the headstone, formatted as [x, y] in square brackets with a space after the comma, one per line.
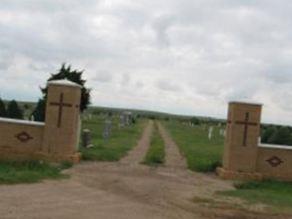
[122, 121]
[221, 132]
[210, 133]
[126, 119]
[107, 129]
[86, 138]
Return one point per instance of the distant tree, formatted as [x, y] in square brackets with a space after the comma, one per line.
[195, 121]
[13, 110]
[66, 72]
[26, 106]
[281, 136]
[39, 112]
[166, 118]
[268, 133]
[3, 112]
[152, 117]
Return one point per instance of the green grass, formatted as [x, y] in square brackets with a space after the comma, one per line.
[13, 172]
[156, 152]
[275, 193]
[202, 154]
[119, 143]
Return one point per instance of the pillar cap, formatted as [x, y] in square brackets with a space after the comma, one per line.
[64, 82]
[246, 103]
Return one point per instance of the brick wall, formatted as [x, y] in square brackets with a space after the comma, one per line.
[20, 139]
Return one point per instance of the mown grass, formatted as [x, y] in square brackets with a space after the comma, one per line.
[274, 193]
[118, 144]
[13, 172]
[202, 154]
[156, 152]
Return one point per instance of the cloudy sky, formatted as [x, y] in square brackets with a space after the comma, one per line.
[177, 56]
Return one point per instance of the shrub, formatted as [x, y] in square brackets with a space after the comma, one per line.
[3, 112]
[13, 110]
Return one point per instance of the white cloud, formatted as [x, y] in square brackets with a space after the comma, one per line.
[177, 56]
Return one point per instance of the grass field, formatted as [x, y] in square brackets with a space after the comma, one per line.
[274, 193]
[202, 154]
[156, 152]
[29, 172]
[119, 143]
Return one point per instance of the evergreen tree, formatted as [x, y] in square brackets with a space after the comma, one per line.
[268, 133]
[39, 112]
[281, 136]
[72, 75]
[3, 112]
[13, 110]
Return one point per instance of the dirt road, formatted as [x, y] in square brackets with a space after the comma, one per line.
[125, 190]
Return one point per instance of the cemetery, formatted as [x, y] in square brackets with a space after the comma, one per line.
[233, 149]
[145, 109]
[31, 151]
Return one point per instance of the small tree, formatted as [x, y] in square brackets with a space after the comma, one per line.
[39, 112]
[195, 121]
[13, 110]
[65, 72]
[3, 112]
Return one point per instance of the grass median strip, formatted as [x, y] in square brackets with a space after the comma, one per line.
[156, 152]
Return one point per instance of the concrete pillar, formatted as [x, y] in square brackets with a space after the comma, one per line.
[61, 125]
[241, 142]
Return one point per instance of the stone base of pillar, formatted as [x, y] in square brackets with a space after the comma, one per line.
[74, 158]
[233, 175]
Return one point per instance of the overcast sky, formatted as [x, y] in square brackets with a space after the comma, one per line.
[177, 56]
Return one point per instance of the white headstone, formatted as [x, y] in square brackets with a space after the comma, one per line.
[221, 132]
[210, 133]
[107, 129]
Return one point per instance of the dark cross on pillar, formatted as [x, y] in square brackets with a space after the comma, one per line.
[246, 124]
[229, 117]
[60, 104]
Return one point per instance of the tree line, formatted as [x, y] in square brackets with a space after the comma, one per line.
[274, 134]
[10, 110]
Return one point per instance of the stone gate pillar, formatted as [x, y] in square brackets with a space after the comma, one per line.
[241, 142]
[61, 125]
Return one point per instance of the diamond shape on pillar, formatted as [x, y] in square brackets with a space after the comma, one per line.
[23, 137]
[274, 161]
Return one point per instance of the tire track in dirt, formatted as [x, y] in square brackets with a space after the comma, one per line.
[173, 158]
[136, 155]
